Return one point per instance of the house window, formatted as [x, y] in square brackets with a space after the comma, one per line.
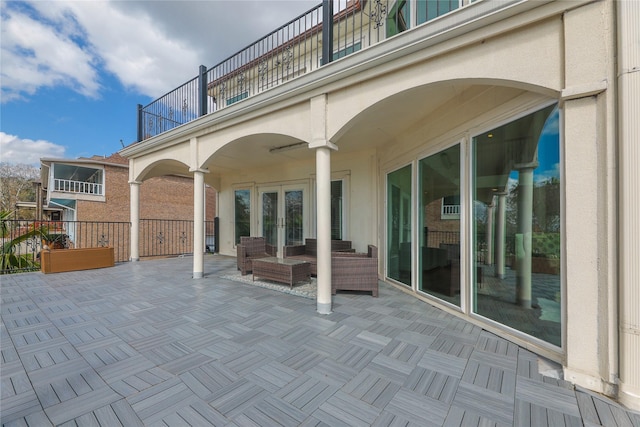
[427, 10]
[398, 19]
[237, 98]
[242, 213]
[343, 52]
[347, 51]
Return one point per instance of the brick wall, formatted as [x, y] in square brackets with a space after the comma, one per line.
[440, 230]
[160, 198]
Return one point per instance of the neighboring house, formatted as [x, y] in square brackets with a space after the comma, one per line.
[96, 189]
[486, 147]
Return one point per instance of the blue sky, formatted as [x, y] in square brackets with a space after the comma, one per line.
[72, 72]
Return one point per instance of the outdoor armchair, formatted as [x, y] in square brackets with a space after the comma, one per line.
[251, 248]
[352, 271]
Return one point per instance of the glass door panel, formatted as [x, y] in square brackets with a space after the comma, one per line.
[269, 202]
[439, 258]
[283, 215]
[516, 225]
[242, 214]
[399, 258]
[293, 217]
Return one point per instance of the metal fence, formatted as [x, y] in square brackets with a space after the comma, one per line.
[22, 240]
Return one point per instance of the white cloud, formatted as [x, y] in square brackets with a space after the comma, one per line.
[150, 46]
[38, 53]
[134, 48]
[17, 150]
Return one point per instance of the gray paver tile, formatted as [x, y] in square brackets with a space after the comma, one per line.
[485, 403]
[80, 405]
[306, 393]
[547, 396]
[417, 408]
[233, 399]
[141, 345]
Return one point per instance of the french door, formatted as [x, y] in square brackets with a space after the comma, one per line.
[283, 214]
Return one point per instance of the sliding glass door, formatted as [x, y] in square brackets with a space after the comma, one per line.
[439, 220]
[516, 225]
[507, 268]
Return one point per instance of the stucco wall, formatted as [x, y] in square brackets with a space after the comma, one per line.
[356, 168]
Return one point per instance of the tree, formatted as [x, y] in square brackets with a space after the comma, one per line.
[11, 260]
[16, 184]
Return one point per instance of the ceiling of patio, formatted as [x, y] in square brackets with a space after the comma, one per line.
[373, 127]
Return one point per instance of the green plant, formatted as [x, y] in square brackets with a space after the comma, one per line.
[9, 259]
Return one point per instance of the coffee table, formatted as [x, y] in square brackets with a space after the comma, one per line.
[283, 270]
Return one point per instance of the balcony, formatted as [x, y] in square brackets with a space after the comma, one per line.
[298, 48]
[81, 187]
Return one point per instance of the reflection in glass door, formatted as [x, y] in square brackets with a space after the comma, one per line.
[439, 259]
[293, 217]
[269, 202]
[399, 261]
[282, 215]
[516, 224]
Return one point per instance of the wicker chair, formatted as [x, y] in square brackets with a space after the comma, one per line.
[355, 271]
[251, 248]
[309, 251]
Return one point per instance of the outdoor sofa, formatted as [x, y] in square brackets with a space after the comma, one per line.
[309, 251]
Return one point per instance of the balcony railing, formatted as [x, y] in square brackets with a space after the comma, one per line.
[291, 50]
[70, 186]
[331, 30]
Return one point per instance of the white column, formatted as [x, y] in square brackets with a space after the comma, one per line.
[198, 224]
[501, 221]
[523, 236]
[134, 216]
[323, 185]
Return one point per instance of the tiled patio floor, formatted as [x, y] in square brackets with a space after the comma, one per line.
[143, 344]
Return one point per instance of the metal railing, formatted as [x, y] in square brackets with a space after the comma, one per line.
[22, 240]
[302, 45]
[70, 186]
[168, 237]
[291, 50]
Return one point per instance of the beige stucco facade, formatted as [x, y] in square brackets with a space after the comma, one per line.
[412, 96]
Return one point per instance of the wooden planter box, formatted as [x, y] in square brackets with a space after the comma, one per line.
[61, 260]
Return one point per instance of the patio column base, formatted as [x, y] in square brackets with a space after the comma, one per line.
[135, 259]
[324, 308]
[198, 275]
